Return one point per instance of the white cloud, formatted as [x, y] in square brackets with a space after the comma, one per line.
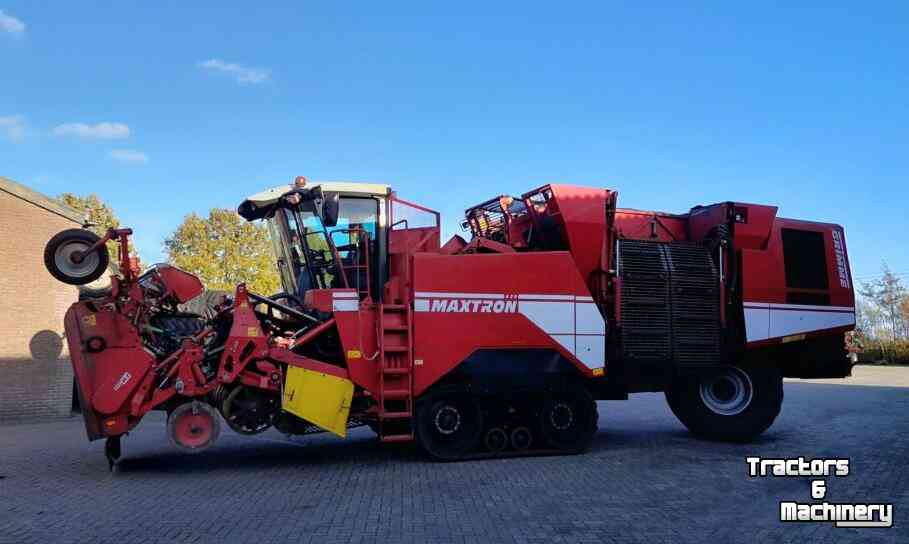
[129, 156]
[13, 127]
[243, 74]
[10, 24]
[100, 131]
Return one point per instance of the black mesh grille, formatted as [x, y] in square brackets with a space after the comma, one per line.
[669, 303]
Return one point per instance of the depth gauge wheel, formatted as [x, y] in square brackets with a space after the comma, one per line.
[735, 403]
[193, 426]
[67, 258]
[449, 426]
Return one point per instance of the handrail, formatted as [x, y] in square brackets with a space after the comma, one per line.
[283, 308]
[365, 242]
[438, 215]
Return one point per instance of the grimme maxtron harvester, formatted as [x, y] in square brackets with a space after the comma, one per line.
[496, 345]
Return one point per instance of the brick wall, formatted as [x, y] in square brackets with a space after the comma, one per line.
[36, 379]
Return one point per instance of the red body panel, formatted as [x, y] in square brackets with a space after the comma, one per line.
[754, 233]
[642, 225]
[357, 327]
[180, 284]
[119, 371]
[445, 337]
[764, 278]
[583, 212]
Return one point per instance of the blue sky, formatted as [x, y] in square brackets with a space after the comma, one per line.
[167, 108]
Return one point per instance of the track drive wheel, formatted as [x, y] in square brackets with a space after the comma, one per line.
[67, 257]
[449, 426]
[569, 419]
[735, 403]
[193, 426]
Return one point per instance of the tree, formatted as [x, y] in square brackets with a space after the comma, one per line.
[868, 318]
[904, 310]
[888, 293]
[98, 214]
[224, 250]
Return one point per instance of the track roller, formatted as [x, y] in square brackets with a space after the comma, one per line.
[521, 438]
[495, 439]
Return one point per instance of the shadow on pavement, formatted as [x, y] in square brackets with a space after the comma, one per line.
[635, 425]
[271, 454]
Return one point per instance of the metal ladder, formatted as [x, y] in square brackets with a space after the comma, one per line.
[396, 373]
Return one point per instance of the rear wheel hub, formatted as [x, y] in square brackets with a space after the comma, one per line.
[727, 393]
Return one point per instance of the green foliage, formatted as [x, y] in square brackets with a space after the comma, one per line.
[886, 297]
[904, 309]
[885, 352]
[100, 215]
[882, 317]
[224, 250]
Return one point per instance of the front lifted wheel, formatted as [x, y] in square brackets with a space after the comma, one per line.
[69, 257]
[734, 403]
[448, 426]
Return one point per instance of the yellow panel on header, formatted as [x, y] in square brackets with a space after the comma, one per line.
[319, 398]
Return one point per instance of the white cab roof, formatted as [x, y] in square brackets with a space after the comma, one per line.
[269, 196]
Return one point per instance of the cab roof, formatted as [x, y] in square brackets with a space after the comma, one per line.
[256, 205]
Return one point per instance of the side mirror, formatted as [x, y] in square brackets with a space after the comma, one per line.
[331, 205]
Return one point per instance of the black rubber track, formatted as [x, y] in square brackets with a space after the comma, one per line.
[540, 446]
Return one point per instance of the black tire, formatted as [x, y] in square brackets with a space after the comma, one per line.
[459, 416]
[568, 420]
[712, 407]
[63, 245]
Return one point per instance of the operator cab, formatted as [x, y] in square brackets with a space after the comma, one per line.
[326, 235]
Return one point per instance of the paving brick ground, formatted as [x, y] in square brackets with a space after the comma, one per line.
[645, 480]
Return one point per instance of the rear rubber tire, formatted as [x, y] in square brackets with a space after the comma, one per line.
[720, 407]
[63, 244]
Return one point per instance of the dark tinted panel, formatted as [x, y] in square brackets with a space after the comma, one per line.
[805, 259]
[814, 299]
